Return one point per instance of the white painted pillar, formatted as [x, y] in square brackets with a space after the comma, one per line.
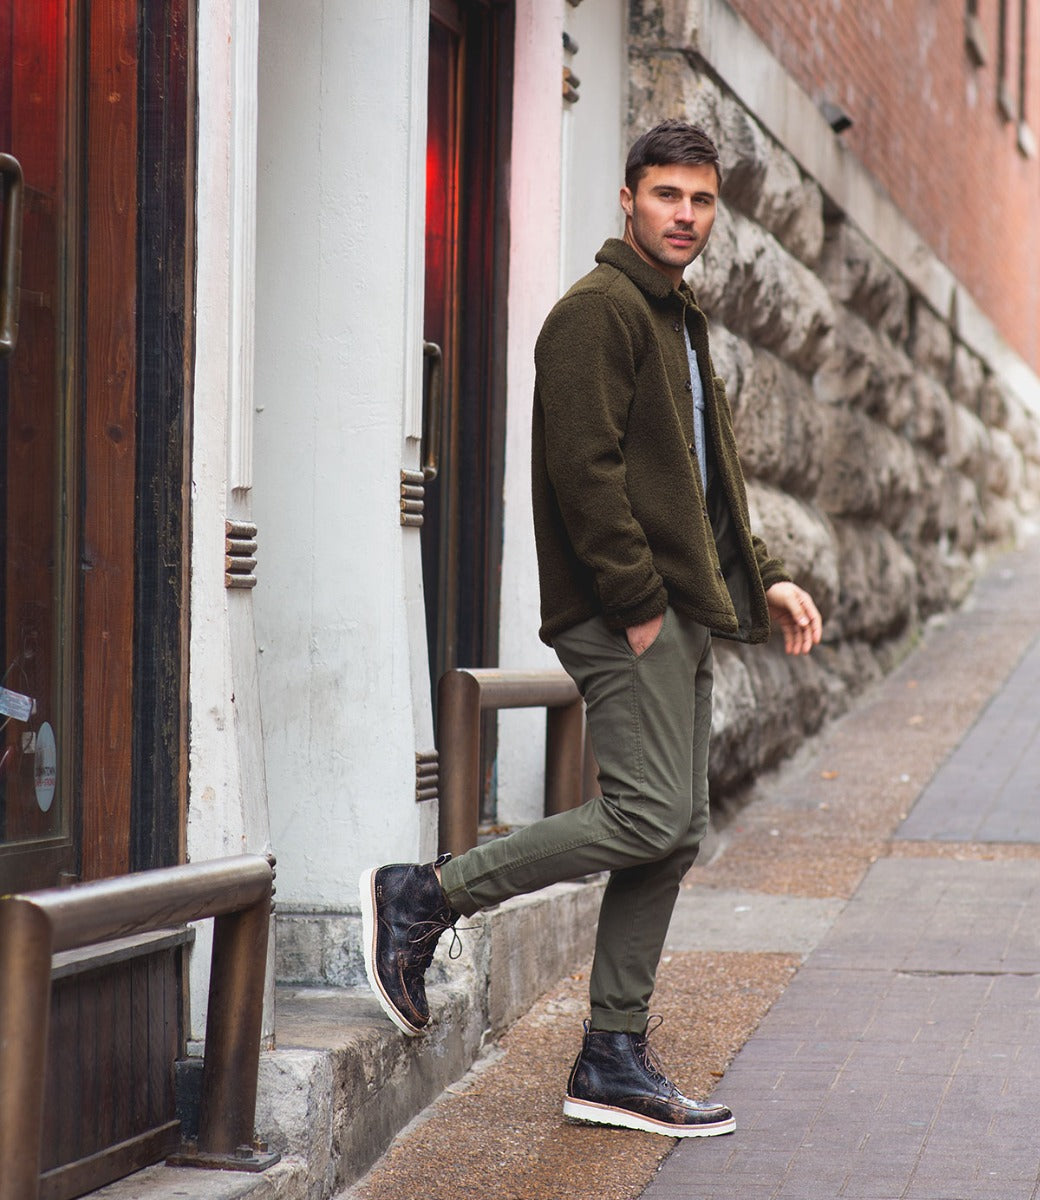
[227, 810]
[339, 606]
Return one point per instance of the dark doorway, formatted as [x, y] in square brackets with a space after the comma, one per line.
[467, 180]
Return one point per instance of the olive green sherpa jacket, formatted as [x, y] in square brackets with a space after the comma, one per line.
[622, 524]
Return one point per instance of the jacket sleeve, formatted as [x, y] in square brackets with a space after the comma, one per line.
[585, 367]
[770, 568]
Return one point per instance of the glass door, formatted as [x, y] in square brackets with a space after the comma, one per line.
[36, 386]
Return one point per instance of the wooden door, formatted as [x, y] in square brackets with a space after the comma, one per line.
[37, 387]
[94, 107]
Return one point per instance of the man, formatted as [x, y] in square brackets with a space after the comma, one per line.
[644, 553]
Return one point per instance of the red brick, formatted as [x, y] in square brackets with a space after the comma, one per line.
[952, 166]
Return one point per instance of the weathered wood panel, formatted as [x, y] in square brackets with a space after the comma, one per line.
[115, 1035]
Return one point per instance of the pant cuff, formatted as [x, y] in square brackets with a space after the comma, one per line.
[609, 1020]
[456, 891]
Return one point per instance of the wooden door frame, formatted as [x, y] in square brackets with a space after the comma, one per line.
[109, 437]
[132, 774]
[166, 278]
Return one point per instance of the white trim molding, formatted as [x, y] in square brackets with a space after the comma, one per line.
[415, 248]
[245, 36]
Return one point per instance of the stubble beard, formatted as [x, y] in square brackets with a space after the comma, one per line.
[665, 257]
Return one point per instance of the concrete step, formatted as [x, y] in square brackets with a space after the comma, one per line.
[343, 1080]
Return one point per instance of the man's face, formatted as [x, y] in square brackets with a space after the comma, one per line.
[670, 214]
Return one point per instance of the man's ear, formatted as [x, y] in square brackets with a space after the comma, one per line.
[626, 201]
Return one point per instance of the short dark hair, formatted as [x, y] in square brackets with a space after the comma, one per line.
[670, 142]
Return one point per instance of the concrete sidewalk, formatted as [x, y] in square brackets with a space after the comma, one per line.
[902, 1061]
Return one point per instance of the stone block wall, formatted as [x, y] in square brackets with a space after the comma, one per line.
[883, 457]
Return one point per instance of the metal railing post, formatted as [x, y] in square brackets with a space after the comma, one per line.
[563, 757]
[233, 1025]
[462, 695]
[25, 996]
[458, 741]
[33, 927]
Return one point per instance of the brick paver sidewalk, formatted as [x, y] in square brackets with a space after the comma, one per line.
[903, 1060]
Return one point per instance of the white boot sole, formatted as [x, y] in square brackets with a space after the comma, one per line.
[366, 890]
[588, 1112]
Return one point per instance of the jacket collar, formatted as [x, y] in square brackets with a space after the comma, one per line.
[619, 254]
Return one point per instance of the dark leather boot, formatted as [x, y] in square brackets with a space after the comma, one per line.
[616, 1080]
[403, 913]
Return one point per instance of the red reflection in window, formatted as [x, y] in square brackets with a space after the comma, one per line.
[441, 182]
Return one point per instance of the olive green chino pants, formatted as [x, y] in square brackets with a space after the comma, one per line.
[649, 717]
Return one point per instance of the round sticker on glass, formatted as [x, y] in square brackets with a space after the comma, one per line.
[46, 771]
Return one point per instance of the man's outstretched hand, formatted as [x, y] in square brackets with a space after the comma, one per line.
[792, 608]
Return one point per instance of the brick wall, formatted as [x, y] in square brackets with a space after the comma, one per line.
[927, 126]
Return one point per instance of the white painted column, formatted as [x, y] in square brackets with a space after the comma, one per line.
[534, 272]
[339, 609]
[594, 135]
[227, 810]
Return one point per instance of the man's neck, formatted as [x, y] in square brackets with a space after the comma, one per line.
[674, 277]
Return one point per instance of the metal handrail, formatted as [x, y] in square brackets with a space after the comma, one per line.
[462, 695]
[36, 925]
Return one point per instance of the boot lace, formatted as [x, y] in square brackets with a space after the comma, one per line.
[651, 1060]
[423, 937]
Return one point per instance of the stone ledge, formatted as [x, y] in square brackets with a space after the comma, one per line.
[286, 1180]
[343, 1081]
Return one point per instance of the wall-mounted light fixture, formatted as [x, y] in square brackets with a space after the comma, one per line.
[835, 116]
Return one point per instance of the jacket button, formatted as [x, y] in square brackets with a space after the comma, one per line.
[689, 386]
[692, 448]
[677, 327]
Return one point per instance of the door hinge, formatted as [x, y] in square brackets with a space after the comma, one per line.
[239, 554]
[427, 775]
[413, 493]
